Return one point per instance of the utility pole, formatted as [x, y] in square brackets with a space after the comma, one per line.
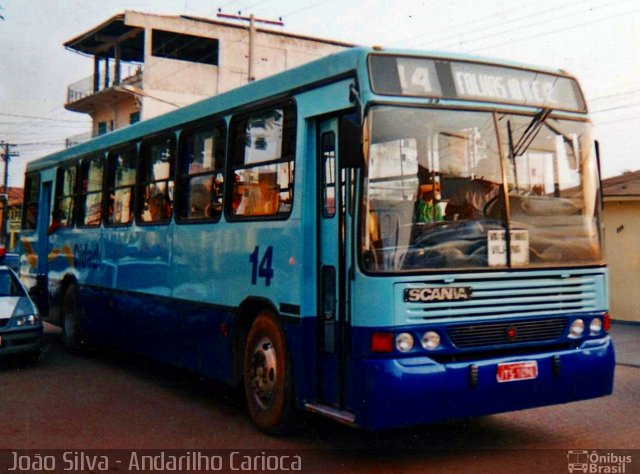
[6, 153]
[252, 35]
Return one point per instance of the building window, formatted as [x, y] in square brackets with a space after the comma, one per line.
[121, 180]
[102, 128]
[156, 181]
[200, 171]
[196, 49]
[65, 196]
[31, 196]
[91, 172]
[134, 118]
[263, 163]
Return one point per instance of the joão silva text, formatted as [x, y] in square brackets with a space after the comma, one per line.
[161, 461]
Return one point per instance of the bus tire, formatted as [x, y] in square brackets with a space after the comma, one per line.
[72, 334]
[266, 376]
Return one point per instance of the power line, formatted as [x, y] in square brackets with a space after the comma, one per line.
[508, 23]
[619, 94]
[621, 107]
[253, 5]
[532, 25]
[295, 12]
[228, 3]
[33, 117]
[474, 22]
[578, 25]
[622, 119]
[56, 142]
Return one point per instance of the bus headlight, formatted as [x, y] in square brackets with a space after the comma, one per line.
[430, 340]
[577, 328]
[595, 327]
[404, 342]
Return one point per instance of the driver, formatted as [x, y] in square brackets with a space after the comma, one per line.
[469, 201]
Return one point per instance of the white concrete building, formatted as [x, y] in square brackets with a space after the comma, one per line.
[622, 243]
[147, 64]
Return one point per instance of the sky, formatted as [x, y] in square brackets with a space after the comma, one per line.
[598, 41]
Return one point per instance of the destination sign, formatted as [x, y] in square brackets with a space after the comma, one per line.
[462, 80]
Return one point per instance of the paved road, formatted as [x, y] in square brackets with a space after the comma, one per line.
[108, 401]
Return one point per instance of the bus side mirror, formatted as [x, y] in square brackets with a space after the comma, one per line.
[350, 141]
[596, 144]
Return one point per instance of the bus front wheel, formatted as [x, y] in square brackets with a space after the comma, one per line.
[72, 338]
[267, 380]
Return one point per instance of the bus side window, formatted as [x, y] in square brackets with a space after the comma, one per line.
[201, 174]
[156, 181]
[263, 152]
[328, 144]
[121, 180]
[31, 196]
[66, 190]
[91, 174]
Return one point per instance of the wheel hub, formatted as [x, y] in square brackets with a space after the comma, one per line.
[264, 371]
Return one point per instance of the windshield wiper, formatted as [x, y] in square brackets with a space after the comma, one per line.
[529, 134]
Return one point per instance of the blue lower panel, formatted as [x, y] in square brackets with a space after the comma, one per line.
[403, 392]
[178, 332]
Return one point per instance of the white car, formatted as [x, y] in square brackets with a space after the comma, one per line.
[21, 328]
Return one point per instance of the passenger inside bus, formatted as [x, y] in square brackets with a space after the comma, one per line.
[57, 216]
[159, 209]
[32, 213]
[429, 207]
[471, 200]
[261, 198]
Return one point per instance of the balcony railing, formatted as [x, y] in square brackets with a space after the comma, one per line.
[77, 139]
[92, 85]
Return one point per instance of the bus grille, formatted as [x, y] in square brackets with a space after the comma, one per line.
[488, 334]
[496, 297]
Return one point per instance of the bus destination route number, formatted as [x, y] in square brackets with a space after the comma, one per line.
[263, 269]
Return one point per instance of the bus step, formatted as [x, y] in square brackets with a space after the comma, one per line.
[344, 417]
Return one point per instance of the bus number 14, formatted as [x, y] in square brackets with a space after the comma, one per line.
[264, 269]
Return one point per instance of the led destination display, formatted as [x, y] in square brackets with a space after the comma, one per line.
[449, 79]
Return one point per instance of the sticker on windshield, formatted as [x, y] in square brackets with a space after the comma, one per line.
[497, 248]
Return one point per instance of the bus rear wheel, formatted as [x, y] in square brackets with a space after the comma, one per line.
[72, 338]
[267, 380]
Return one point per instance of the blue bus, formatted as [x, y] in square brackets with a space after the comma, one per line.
[386, 238]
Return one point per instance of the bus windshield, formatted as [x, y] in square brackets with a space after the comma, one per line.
[442, 187]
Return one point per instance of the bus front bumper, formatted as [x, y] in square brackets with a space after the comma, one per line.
[412, 391]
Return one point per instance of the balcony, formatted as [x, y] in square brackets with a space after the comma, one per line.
[103, 88]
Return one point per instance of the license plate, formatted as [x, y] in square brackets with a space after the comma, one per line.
[514, 371]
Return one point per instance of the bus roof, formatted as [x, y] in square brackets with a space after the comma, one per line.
[327, 69]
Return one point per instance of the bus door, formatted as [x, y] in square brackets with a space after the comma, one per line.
[332, 286]
[41, 293]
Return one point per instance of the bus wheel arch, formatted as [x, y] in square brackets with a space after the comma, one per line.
[266, 369]
[245, 315]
